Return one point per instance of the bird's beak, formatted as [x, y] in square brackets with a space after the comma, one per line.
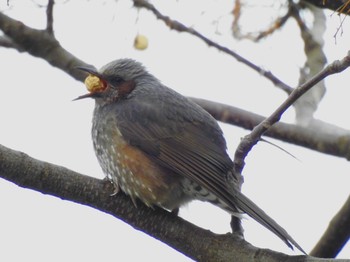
[88, 95]
[94, 83]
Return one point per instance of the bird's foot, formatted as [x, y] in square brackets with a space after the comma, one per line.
[108, 183]
[236, 226]
[175, 211]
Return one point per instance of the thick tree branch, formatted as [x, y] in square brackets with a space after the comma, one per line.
[40, 43]
[197, 243]
[336, 235]
[333, 140]
[8, 43]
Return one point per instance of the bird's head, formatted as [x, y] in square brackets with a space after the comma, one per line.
[114, 81]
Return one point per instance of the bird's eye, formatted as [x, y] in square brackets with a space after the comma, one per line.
[115, 81]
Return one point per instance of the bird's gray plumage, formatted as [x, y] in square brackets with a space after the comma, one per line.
[176, 134]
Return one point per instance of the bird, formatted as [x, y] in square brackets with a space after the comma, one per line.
[161, 148]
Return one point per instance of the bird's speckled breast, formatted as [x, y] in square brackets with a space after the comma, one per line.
[133, 171]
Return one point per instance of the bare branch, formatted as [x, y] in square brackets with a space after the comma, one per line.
[8, 43]
[336, 235]
[250, 140]
[340, 6]
[195, 242]
[31, 40]
[49, 17]
[25, 38]
[332, 140]
[256, 36]
[307, 105]
[279, 22]
[175, 25]
[40, 44]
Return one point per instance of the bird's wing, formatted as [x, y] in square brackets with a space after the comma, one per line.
[193, 146]
[190, 147]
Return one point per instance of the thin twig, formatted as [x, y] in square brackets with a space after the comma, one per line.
[250, 140]
[256, 36]
[49, 17]
[279, 22]
[175, 25]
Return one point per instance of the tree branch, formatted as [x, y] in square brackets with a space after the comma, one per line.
[195, 242]
[40, 43]
[329, 140]
[316, 60]
[340, 6]
[336, 235]
[8, 43]
[175, 25]
[256, 36]
[251, 139]
[49, 17]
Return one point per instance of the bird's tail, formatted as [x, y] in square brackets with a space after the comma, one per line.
[251, 209]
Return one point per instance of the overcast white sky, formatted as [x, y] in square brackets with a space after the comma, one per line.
[39, 118]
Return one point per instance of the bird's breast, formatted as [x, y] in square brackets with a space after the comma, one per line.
[136, 173]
